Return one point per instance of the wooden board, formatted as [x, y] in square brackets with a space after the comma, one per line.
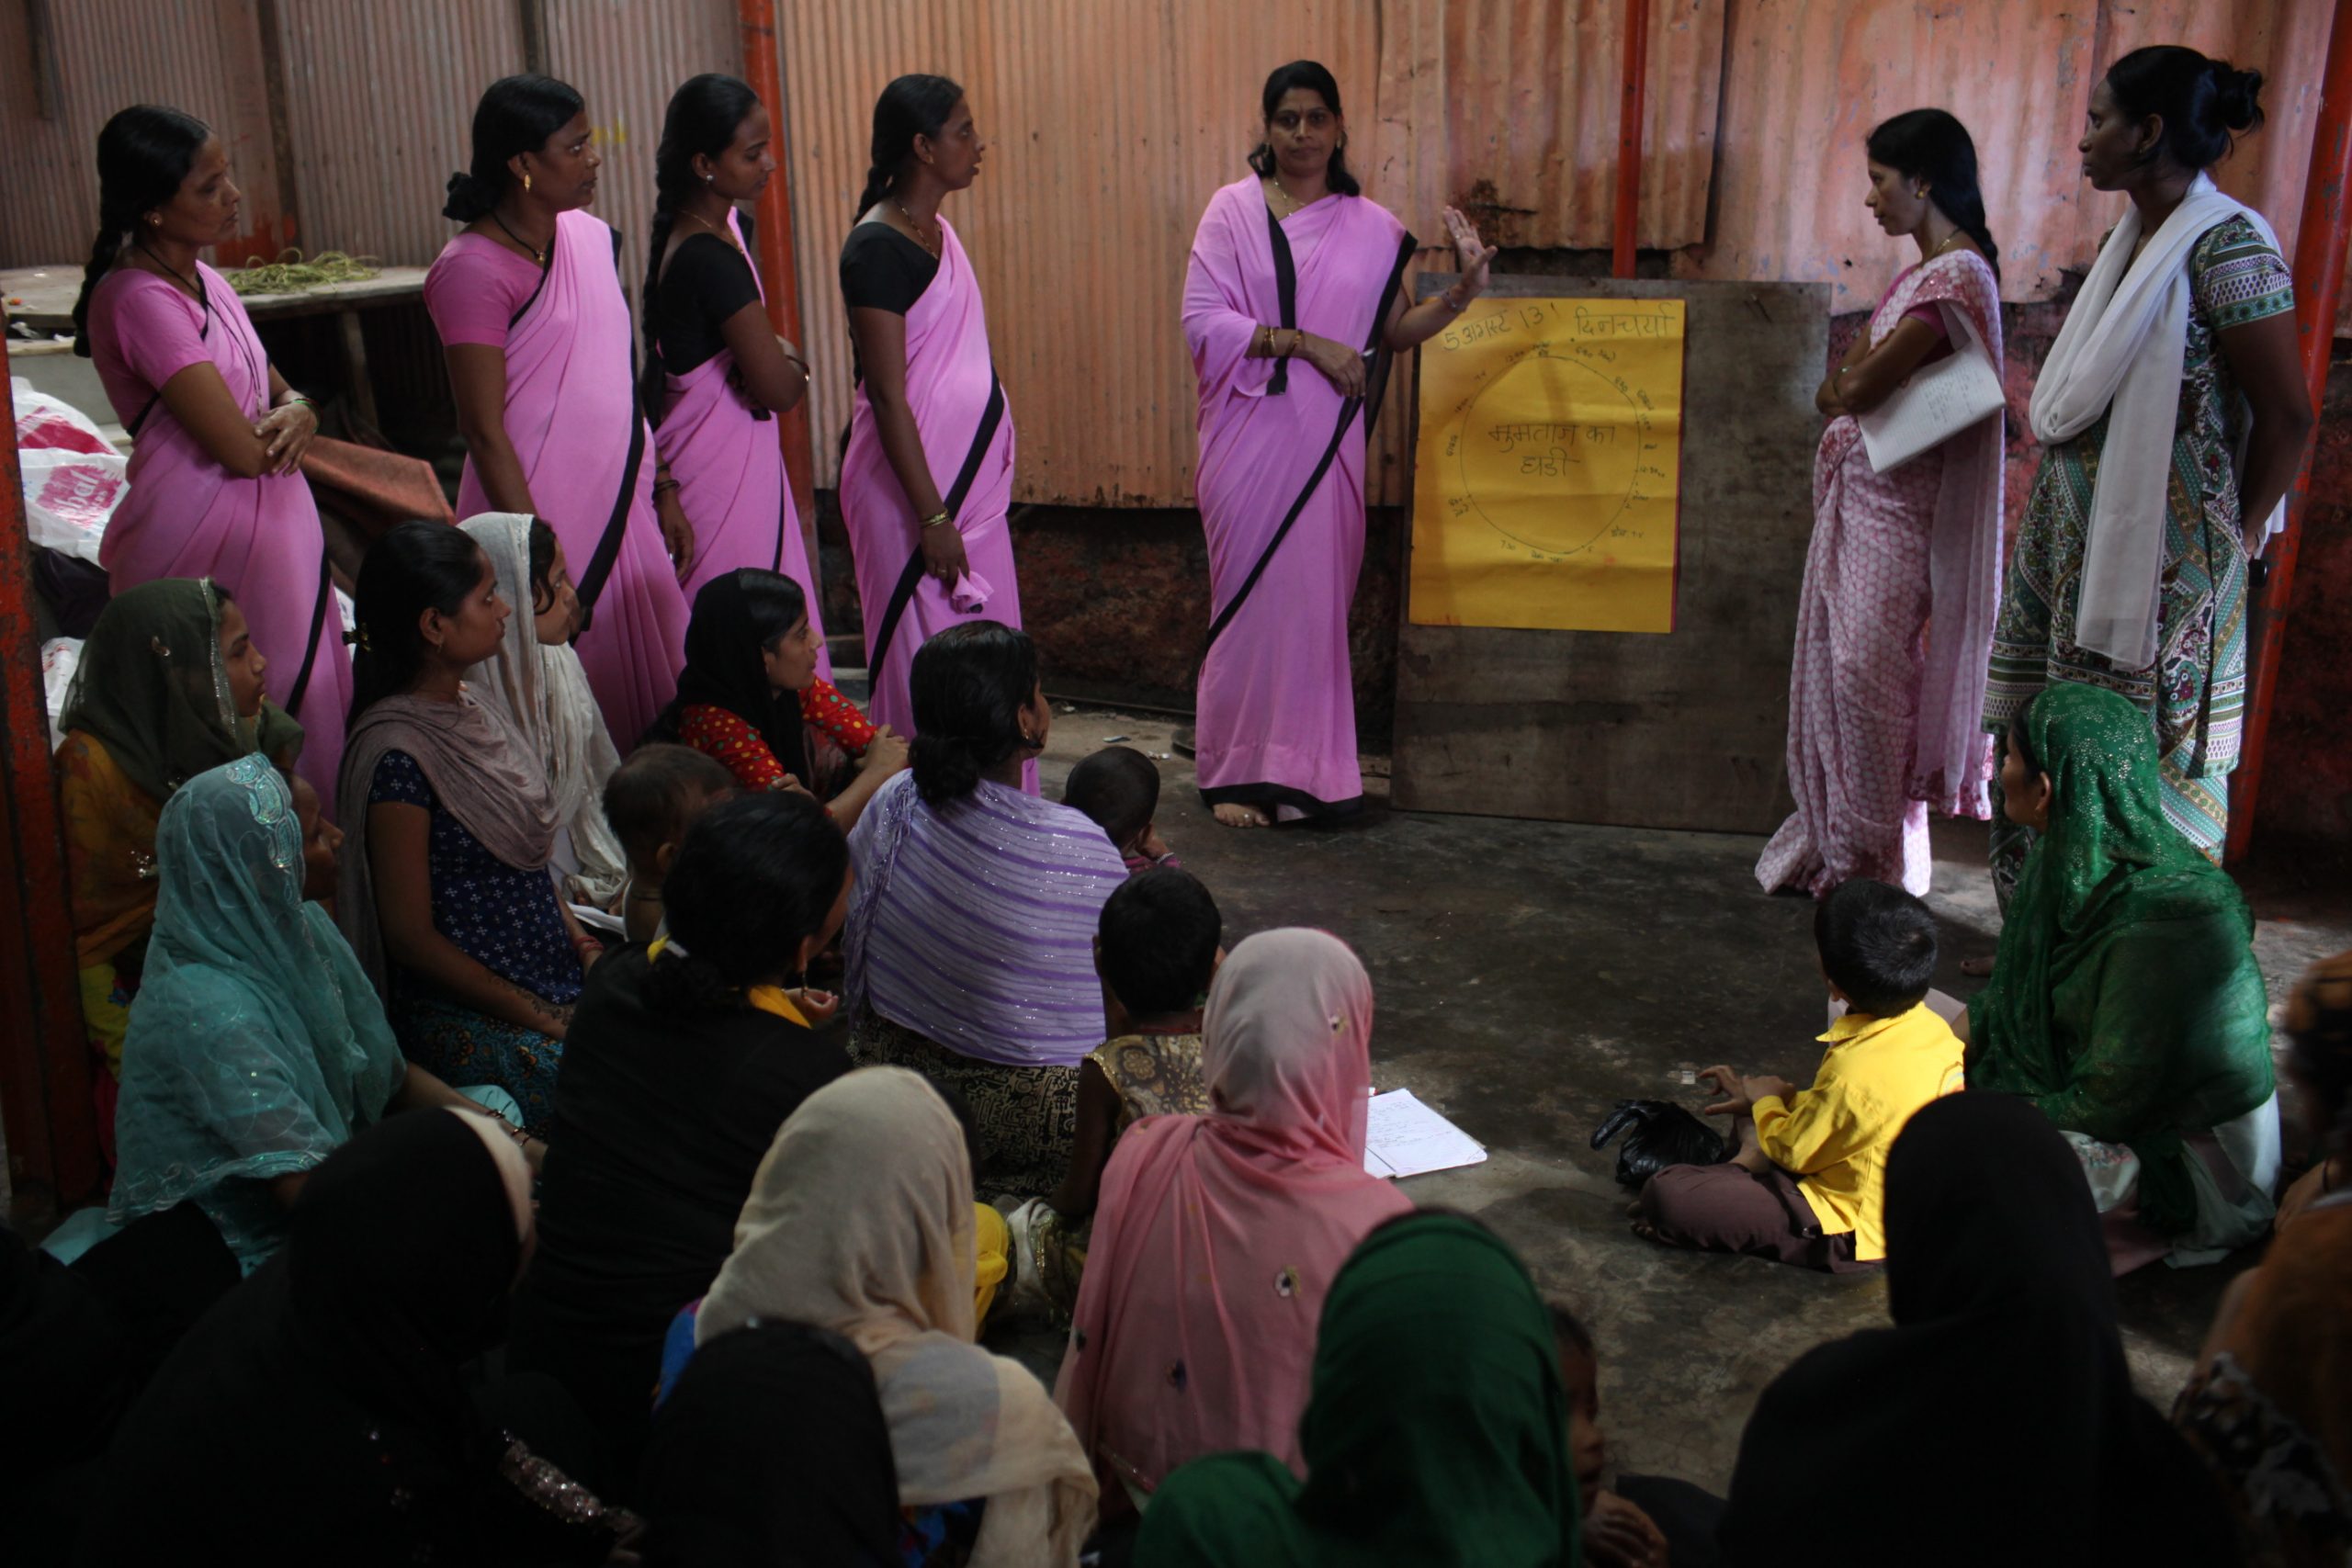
[49, 293]
[1685, 729]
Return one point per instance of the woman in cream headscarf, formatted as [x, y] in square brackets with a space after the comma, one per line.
[860, 1222]
[537, 683]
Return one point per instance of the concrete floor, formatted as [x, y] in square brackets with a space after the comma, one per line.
[1531, 973]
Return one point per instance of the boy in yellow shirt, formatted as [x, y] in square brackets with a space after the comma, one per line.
[1808, 1183]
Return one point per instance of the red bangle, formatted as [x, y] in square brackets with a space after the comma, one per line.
[584, 942]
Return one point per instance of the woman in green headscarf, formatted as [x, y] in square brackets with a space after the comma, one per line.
[169, 685]
[1436, 1432]
[2125, 1002]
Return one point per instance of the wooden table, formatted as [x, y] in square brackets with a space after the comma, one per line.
[42, 298]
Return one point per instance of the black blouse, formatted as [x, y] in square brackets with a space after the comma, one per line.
[706, 281]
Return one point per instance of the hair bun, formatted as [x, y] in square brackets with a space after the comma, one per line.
[945, 767]
[2237, 95]
[468, 198]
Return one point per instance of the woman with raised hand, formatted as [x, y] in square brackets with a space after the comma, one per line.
[927, 472]
[1886, 691]
[2175, 415]
[216, 435]
[448, 896]
[535, 324]
[1293, 261]
[716, 373]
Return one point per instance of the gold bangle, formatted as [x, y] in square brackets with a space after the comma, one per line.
[936, 518]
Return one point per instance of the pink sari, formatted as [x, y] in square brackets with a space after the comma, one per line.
[185, 516]
[1886, 687]
[1216, 1237]
[967, 428]
[723, 453]
[1281, 492]
[572, 417]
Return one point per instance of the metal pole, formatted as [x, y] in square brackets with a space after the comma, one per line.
[758, 18]
[44, 1052]
[1635, 80]
[2320, 243]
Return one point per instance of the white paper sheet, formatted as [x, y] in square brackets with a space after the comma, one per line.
[1404, 1137]
[595, 920]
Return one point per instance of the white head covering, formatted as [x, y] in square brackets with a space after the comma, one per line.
[2122, 348]
[861, 1221]
[543, 692]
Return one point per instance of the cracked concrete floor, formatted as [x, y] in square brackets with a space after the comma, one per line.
[1531, 973]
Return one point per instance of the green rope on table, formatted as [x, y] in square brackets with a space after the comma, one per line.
[290, 274]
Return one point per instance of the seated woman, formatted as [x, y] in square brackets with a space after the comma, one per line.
[450, 900]
[1438, 1433]
[328, 1410]
[2271, 1407]
[751, 696]
[2004, 1323]
[683, 1061]
[860, 1222]
[970, 942]
[536, 683]
[1218, 1235]
[169, 684]
[2125, 1001]
[256, 1047]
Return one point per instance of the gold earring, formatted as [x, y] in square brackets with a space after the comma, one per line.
[526, 181]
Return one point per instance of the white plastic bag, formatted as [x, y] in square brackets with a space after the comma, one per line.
[70, 495]
[59, 658]
[46, 421]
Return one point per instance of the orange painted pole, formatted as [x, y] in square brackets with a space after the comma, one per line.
[44, 1054]
[2320, 247]
[1632, 89]
[774, 220]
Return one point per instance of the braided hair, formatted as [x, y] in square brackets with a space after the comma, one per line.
[144, 154]
[703, 118]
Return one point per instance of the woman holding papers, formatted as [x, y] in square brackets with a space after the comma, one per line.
[1885, 687]
[2175, 415]
[1218, 1236]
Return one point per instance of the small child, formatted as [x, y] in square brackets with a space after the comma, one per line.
[1119, 788]
[649, 802]
[1644, 1521]
[1158, 943]
[1808, 1184]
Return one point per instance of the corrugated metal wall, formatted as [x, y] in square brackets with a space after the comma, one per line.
[1804, 81]
[1111, 123]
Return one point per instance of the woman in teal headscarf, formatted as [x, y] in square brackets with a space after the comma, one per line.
[2125, 1003]
[1436, 1432]
[256, 1046]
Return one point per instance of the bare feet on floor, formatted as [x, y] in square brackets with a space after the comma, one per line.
[1234, 815]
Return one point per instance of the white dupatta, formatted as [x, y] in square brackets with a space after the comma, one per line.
[2122, 348]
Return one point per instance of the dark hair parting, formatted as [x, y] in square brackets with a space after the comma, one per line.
[144, 154]
[1311, 75]
[1930, 146]
[702, 119]
[2203, 102]
[517, 115]
[414, 568]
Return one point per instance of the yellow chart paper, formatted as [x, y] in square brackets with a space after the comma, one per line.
[1547, 480]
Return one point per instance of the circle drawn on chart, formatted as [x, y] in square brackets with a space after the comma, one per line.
[1582, 458]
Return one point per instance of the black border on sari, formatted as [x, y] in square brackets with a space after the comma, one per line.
[1287, 300]
[910, 578]
[609, 543]
[311, 649]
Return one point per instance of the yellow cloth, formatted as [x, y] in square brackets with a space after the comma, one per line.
[1836, 1134]
[109, 849]
[993, 1241]
[767, 998]
[105, 1020]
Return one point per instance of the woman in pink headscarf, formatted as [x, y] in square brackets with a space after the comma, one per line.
[1293, 262]
[927, 474]
[217, 437]
[1217, 1236]
[535, 325]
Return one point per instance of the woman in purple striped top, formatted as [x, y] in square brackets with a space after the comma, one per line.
[970, 940]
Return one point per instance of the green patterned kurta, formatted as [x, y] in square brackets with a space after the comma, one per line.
[2195, 692]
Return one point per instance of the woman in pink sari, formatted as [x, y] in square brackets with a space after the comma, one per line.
[1216, 1236]
[716, 373]
[1886, 687]
[927, 473]
[217, 437]
[1294, 263]
[536, 326]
